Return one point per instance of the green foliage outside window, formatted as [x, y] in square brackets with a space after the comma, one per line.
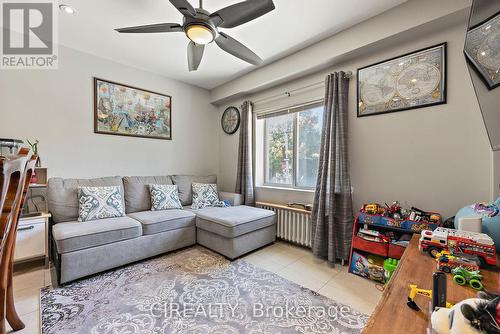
[282, 132]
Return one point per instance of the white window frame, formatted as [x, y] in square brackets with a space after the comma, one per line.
[295, 160]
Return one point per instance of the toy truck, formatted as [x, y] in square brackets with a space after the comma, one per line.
[459, 242]
[462, 276]
[373, 209]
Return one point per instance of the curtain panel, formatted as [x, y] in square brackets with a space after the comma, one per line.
[244, 179]
[332, 216]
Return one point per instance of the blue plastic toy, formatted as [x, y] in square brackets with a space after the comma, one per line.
[490, 214]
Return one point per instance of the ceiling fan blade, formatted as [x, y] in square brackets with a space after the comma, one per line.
[152, 28]
[243, 12]
[184, 7]
[195, 54]
[232, 46]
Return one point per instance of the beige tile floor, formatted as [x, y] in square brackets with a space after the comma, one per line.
[27, 296]
[298, 265]
[291, 262]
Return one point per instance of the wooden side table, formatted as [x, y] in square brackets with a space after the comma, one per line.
[392, 315]
[32, 239]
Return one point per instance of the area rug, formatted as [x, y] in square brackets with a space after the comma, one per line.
[192, 291]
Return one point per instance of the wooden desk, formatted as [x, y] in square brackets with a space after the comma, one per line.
[392, 315]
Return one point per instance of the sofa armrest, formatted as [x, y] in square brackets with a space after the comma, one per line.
[232, 198]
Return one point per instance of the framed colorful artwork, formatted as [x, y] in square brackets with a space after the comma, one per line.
[130, 111]
[413, 80]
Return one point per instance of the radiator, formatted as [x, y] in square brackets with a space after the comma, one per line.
[294, 225]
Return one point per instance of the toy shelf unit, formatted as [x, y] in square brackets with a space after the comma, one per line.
[36, 200]
[379, 241]
[39, 179]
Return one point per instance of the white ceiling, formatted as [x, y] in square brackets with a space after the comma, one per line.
[293, 25]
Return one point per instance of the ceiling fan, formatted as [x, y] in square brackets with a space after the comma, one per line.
[202, 28]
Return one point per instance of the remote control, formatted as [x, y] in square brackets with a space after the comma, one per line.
[438, 290]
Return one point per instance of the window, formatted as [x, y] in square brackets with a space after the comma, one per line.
[292, 145]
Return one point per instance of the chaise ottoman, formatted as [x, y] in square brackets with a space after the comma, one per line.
[235, 230]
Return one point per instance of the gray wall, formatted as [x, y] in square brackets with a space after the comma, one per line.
[436, 158]
[488, 99]
[496, 174]
[56, 107]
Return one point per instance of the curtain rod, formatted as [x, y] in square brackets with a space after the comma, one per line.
[348, 74]
[288, 107]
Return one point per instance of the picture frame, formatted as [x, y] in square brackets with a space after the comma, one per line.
[413, 80]
[125, 110]
[479, 53]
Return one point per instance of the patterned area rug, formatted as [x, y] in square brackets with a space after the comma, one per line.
[192, 291]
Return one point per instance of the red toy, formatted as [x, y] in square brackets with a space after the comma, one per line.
[447, 262]
[459, 242]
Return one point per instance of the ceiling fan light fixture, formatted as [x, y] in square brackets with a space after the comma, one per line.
[200, 34]
[67, 9]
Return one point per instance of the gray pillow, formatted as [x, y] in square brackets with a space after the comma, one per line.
[63, 195]
[137, 195]
[184, 183]
[99, 203]
[164, 197]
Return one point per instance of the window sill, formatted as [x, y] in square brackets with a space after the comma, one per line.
[286, 189]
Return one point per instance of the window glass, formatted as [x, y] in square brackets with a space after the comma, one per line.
[292, 147]
[309, 141]
[279, 149]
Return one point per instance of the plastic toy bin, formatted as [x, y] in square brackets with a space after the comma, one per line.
[365, 218]
[395, 251]
[373, 247]
[418, 226]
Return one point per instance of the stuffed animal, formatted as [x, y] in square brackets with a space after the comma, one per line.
[470, 316]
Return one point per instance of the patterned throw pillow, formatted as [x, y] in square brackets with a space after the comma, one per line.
[100, 203]
[164, 197]
[205, 195]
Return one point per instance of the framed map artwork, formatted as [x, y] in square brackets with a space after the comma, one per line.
[482, 48]
[414, 80]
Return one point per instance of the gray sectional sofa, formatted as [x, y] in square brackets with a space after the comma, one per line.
[80, 249]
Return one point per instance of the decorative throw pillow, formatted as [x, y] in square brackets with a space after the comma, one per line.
[99, 203]
[205, 195]
[164, 197]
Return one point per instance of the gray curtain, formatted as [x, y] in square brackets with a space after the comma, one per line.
[332, 216]
[244, 180]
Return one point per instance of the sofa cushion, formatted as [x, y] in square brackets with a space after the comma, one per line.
[63, 195]
[73, 236]
[184, 183]
[233, 221]
[137, 195]
[160, 221]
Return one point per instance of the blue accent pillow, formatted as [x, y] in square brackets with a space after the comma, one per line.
[206, 195]
[164, 197]
[99, 203]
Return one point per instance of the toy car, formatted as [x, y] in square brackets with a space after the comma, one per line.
[447, 262]
[462, 276]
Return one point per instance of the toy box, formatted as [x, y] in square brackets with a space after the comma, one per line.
[370, 266]
[407, 224]
[418, 226]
